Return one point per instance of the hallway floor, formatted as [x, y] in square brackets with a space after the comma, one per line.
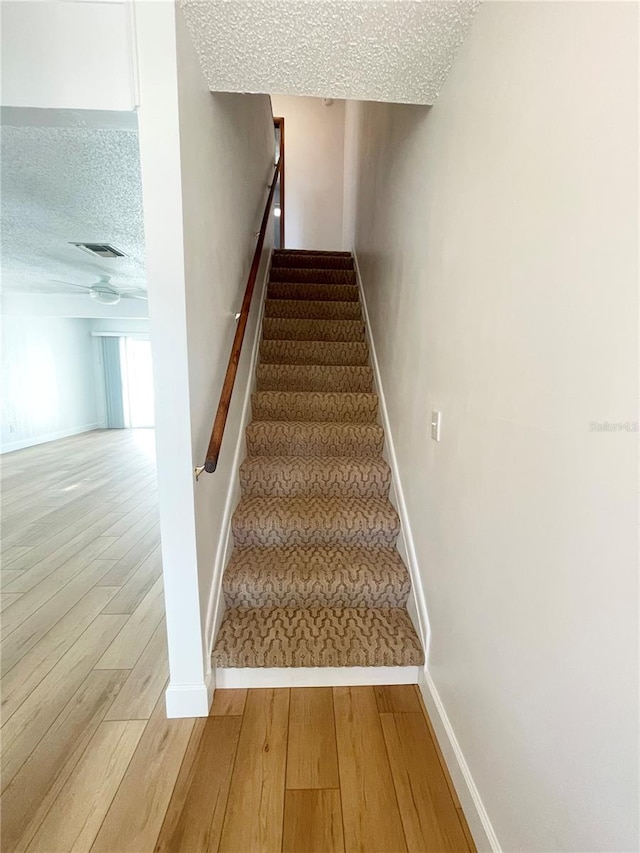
[314, 770]
[89, 761]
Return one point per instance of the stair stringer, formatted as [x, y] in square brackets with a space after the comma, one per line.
[416, 605]
[216, 603]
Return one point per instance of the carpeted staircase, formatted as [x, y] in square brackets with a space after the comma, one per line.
[315, 578]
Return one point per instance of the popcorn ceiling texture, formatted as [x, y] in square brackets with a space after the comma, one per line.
[69, 183]
[399, 51]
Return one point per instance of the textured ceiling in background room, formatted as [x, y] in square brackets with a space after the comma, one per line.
[62, 184]
[398, 51]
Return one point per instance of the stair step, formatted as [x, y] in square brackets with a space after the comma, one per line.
[313, 377]
[314, 292]
[298, 438]
[316, 636]
[313, 260]
[305, 309]
[290, 251]
[370, 522]
[314, 352]
[315, 579]
[280, 328]
[306, 476]
[337, 253]
[309, 274]
[314, 406]
[316, 576]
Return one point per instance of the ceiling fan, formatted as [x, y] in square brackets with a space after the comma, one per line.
[104, 292]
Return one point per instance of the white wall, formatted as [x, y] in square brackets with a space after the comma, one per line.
[48, 389]
[314, 158]
[68, 55]
[227, 146]
[70, 305]
[206, 160]
[126, 327]
[53, 379]
[497, 235]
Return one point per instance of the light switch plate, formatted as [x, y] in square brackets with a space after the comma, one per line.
[436, 418]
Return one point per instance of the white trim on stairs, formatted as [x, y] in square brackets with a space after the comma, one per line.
[316, 676]
[405, 546]
[189, 700]
[215, 608]
[470, 800]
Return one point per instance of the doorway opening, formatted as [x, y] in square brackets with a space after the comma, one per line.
[137, 383]
[128, 381]
[278, 207]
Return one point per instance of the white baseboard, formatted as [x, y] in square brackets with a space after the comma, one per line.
[474, 810]
[320, 676]
[189, 700]
[417, 608]
[215, 609]
[43, 439]
[470, 800]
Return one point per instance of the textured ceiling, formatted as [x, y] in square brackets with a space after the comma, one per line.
[69, 183]
[398, 51]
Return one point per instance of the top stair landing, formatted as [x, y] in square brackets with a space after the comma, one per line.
[311, 259]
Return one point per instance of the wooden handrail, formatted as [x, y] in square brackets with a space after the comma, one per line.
[217, 432]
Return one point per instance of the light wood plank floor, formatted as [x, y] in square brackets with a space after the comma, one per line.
[89, 761]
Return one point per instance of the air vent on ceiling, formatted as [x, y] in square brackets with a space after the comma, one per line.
[102, 250]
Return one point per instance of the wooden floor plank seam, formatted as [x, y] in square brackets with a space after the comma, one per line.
[90, 683]
[395, 787]
[335, 734]
[115, 793]
[21, 738]
[286, 768]
[27, 597]
[28, 673]
[232, 771]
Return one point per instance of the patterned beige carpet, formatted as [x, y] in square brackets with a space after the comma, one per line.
[315, 578]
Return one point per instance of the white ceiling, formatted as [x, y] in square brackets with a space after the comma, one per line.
[75, 175]
[384, 50]
[69, 176]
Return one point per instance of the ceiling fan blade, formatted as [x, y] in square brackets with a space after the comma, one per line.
[70, 283]
[126, 295]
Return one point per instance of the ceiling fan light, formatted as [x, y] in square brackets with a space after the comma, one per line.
[105, 297]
